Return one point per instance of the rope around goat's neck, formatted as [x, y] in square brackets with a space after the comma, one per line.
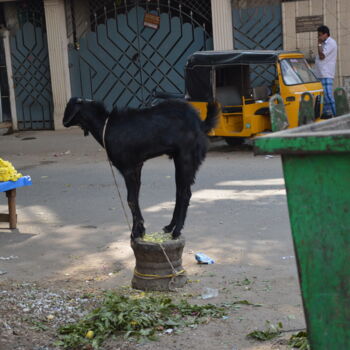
[113, 173]
[104, 134]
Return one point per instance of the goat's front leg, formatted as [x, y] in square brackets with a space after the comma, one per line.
[133, 182]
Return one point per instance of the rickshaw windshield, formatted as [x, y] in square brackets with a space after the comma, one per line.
[296, 71]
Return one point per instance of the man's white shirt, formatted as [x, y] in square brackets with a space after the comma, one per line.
[326, 68]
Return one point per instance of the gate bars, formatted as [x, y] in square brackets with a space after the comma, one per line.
[117, 60]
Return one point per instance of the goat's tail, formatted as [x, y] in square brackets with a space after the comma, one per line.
[212, 116]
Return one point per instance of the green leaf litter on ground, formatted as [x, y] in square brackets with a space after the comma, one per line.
[137, 317]
[299, 341]
[245, 302]
[236, 304]
[271, 331]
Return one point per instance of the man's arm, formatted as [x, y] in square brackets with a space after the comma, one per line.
[321, 55]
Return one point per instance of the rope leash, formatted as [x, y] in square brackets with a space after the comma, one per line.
[114, 176]
[175, 273]
[166, 256]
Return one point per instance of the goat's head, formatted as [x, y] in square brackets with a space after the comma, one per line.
[72, 115]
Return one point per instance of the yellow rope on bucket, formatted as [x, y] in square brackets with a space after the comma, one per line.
[149, 276]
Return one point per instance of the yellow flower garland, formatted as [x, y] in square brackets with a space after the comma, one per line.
[8, 172]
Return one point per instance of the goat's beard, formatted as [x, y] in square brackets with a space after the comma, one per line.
[86, 131]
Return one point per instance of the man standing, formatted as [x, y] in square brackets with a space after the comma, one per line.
[326, 59]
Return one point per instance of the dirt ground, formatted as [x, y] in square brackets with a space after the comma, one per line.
[72, 240]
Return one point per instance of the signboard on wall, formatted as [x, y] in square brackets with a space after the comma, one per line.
[308, 23]
[151, 21]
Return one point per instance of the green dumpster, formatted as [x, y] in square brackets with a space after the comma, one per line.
[316, 167]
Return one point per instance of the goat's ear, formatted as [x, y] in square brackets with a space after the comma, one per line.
[72, 109]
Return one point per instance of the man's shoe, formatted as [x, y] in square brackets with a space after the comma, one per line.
[326, 116]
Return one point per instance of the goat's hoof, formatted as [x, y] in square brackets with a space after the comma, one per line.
[176, 235]
[135, 235]
[138, 231]
[168, 229]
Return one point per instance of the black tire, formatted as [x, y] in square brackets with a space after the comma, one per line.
[234, 141]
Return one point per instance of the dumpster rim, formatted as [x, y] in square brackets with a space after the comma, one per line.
[329, 136]
[312, 129]
[316, 134]
[303, 145]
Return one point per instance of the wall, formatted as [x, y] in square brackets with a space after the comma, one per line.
[336, 15]
[56, 29]
[222, 24]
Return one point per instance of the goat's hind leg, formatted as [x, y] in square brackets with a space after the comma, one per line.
[184, 175]
[184, 201]
[169, 228]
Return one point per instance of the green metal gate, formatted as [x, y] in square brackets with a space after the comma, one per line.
[31, 70]
[120, 60]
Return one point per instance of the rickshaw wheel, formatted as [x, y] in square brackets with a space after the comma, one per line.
[234, 141]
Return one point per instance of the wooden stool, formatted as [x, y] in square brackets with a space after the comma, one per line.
[11, 217]
[9, 187]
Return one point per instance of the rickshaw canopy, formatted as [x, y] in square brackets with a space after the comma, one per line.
[221, 58]
[198, 77]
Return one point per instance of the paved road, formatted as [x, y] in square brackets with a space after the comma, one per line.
[72, 212]
[71, 227]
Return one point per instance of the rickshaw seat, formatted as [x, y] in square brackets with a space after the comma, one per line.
[228, 96]
[260, 93]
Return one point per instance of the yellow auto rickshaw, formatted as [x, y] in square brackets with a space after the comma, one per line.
[243, 81]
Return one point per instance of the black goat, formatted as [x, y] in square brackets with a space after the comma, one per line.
[132, 136]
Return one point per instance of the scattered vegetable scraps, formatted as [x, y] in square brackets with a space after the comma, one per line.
[299, 341]
[271, 331]
[157, 237]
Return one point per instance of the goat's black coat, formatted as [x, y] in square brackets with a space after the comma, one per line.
[134, 135]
